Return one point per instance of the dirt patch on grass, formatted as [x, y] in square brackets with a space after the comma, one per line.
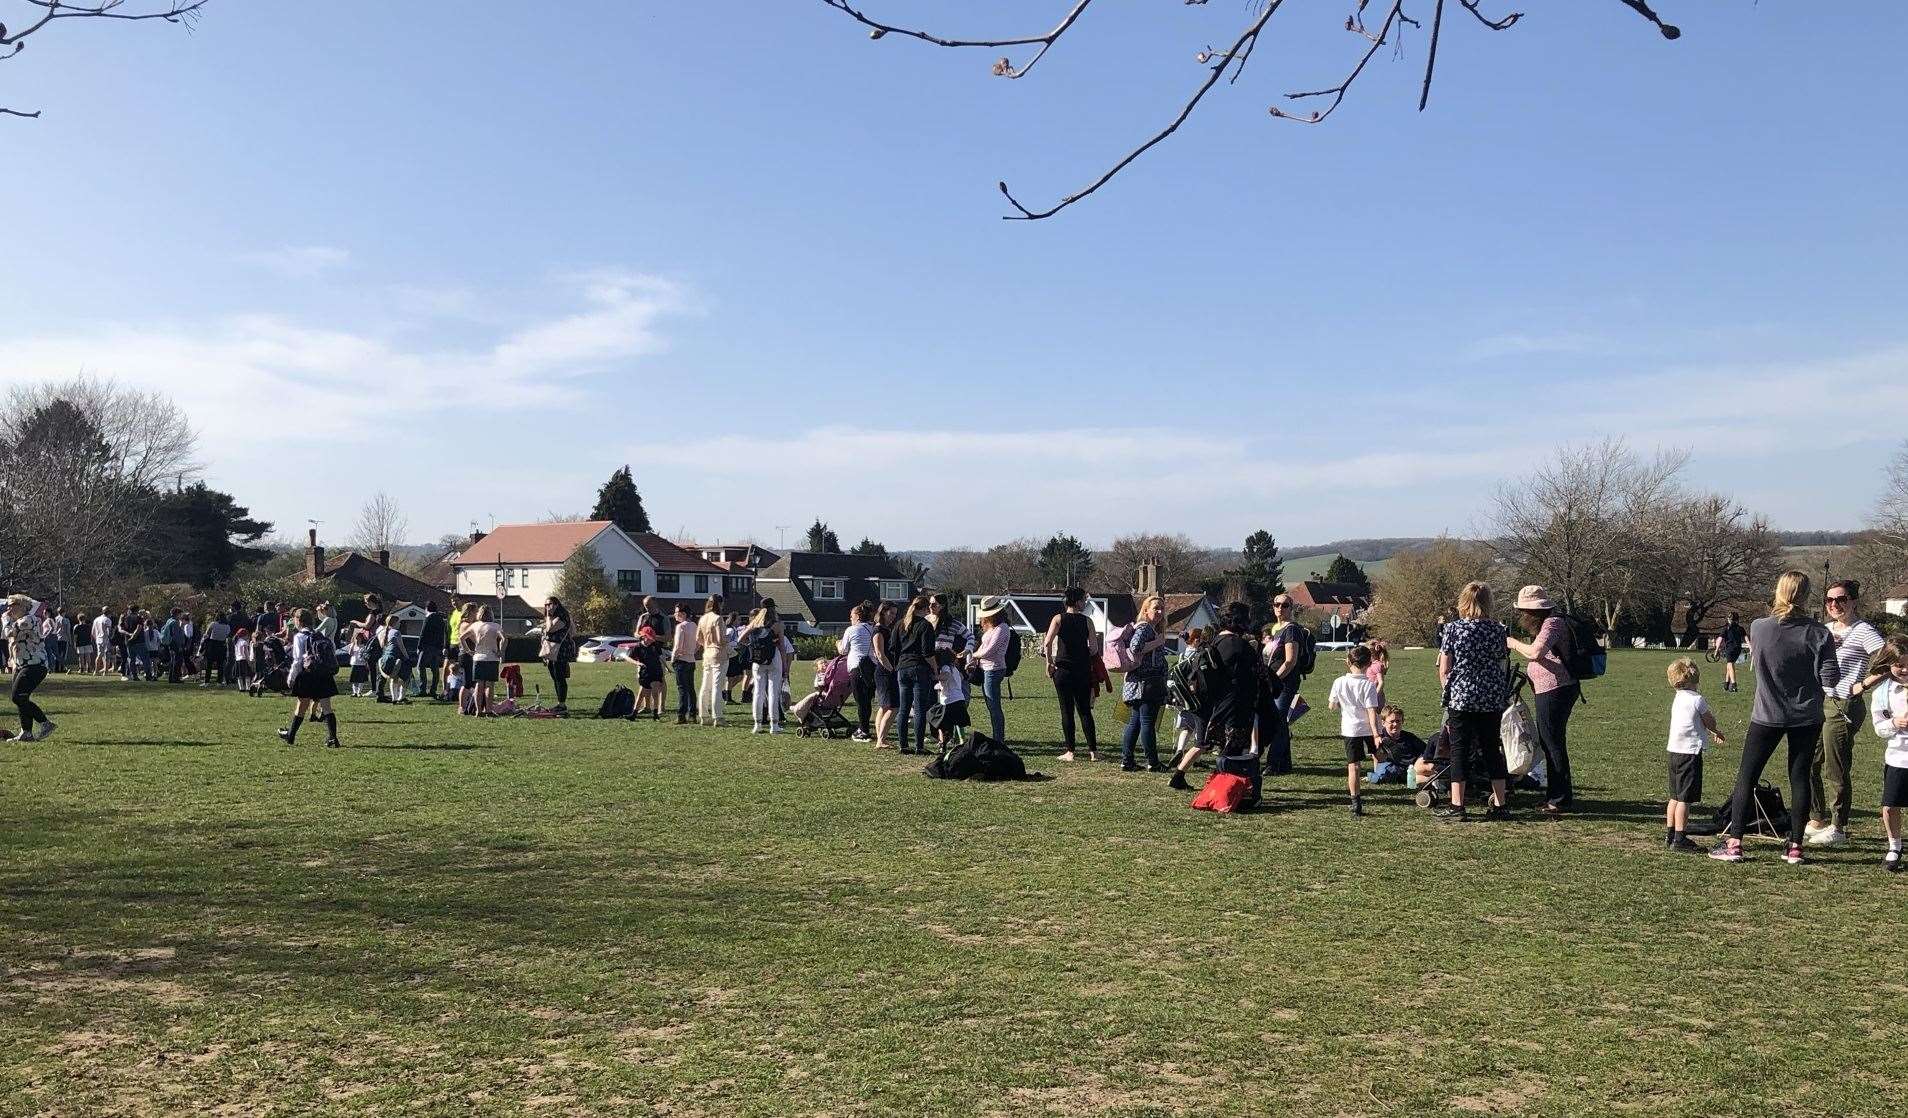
[82, 973]
[1513, 1096]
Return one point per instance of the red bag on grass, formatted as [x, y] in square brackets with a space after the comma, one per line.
[1223, 793]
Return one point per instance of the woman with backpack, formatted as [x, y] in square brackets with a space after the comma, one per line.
[1555, 691]
[914, 669]
[1793, 657]
[1144, 690]
[768, 649]
[991, 655]
[1471, 670]
[313, 679]
[1070, 646]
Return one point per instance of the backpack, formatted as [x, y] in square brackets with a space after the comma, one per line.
[1116, 655]
[1768, 805]
[959, 763]
[1586, 658]
[619, 703]
[762, 646]
[1182, 685]
[321, 655]
[1013, 652]
[1307, 650]
[1223, 793]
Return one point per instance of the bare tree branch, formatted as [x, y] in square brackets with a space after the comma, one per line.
[1494, 24]
[1003, 68]
[1640, 7]
[184, 12]
[1337, 92]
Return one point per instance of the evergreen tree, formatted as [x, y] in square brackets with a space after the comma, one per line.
[868, 547]
[198, 535]
[1260, 574]
[1351, 574]
[822, 538]
[619, 501]
[1065, 561]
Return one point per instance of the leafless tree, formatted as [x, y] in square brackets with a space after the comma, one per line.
[52, 12]
[381, 525]
[1713, 552]
[1590, 525]
[1375, 30]
[1879, 554]
[1182, 564]
[1420, 584]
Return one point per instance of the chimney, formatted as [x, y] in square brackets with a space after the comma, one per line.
[384, 556]
[314, 556]
[1148, 578]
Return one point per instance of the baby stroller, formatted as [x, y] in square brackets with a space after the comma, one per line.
[274, 667]
[820, 712]
[1477, 778]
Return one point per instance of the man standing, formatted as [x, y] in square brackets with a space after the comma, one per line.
[172, 645]
[105, 633]
[682, 659]
[1231, 695]
[432, 639]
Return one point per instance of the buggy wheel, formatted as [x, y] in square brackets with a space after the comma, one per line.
[1424, 799]
[1712, 656]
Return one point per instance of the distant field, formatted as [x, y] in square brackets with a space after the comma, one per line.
[458, 917]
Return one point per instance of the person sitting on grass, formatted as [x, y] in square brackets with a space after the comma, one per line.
[1355, 697]
[1692, 724]
[1890, 712]
[312, 675]
[648, 655]
[454, 683]
[1397, 748]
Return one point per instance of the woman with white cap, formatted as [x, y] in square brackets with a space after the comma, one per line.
[991, 655]
[1556, 692]
[26, 655]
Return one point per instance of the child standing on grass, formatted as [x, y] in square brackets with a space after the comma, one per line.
[242, 659]
[1192, 728]
[951, 687]
[1692, 724]
[360, 663]
[1890, 711]
[1380, 664]
[648, 655]
[1355, 698]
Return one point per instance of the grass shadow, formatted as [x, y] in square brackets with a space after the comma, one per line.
[422, 747]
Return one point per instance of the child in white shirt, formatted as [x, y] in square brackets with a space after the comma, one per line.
[1692, 724]
[1355, 698]
[360, 663]
[951, 686]
[1890, 711]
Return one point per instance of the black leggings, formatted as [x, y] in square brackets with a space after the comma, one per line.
[1758, 745]
[1481, 731]
[1553, 722]
[24, 681]
[560, 679]
[864, 693]
[1076, 696]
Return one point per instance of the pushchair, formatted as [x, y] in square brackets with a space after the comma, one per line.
[820, 712]
[1433, 790]
[274, 668]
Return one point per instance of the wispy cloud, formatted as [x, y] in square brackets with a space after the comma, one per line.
[297, 261]
[1525, 345]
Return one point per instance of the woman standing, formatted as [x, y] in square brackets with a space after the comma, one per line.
[313, 678]
[765, 642]
[466, 664]
[951, 634]
[26, 656]
[914, 668]
[1856, 643]
[887, 684]
[991, 655]
[1550, 681]
[1070, 645]
[682, 660]
[1144, 690]
[712, 636]
[486, 657]
[1793, 656]
[1476, 691]
[857, 644]
[558, 647]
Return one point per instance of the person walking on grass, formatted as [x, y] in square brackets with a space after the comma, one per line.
[1071, 644]
[914, 671]
[312, 675]
[1692, 725]
[997, 637]
[1889, 710]
[857, 644]
[486, 658]
[26, 657]
[1355, 697]
[712, 638]
[1556, 692]
[1144, 689]
[1231, 696]
[1831, 784]
[1729, 644]
[1471, 670]
[1793, 657]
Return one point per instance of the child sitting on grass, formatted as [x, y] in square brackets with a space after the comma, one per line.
[1890, 712]
[1397, 748]
[1692, 724]
[1356, 701]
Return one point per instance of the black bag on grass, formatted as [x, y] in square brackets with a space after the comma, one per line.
[619, 703]
[1768, 804]
[958, 763]
[997, 762]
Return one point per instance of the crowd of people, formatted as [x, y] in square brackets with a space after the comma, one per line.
[911, 669]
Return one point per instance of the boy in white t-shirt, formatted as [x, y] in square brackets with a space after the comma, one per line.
[1355, 698]
[1890, 711]
[1692, 724]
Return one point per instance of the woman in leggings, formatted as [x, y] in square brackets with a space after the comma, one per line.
[1471, 668]
[1070, 645]
[26, 654]
[1793, 657]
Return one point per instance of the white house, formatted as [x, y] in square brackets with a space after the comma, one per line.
[528, 559]
[1896, 601]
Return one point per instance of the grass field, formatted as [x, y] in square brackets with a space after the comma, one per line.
[459, 917]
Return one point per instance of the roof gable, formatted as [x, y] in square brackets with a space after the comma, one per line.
[553, 542]
[828, 564]
[669, 557]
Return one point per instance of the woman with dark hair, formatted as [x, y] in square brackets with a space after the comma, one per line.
[1793, 656]
[1555, 691]
[951, 634]
[558, 647]
[1856, 643]
[887, 685]
[1471, 669]
[857, 644]
[914, 668]
[312, 675]
[1070, 645]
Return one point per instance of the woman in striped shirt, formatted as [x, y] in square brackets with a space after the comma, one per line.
[1856, 642]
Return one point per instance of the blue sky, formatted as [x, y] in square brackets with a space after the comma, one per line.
[481, 262]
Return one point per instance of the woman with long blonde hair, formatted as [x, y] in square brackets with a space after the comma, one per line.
[1793, 658]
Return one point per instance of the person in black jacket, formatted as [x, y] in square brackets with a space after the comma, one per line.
[1070, 646]
[433, 638]
[913, 653]
[1233, 691]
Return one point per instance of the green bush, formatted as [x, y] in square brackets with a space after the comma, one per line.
[815, 648]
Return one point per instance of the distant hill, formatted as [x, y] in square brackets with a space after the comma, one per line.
[1360, 551]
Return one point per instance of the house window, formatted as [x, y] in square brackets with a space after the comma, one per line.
[829, 589]
[894, 591]
[629, 582]
[735, 584]
[510, 578]
[667, 583]
[702, 584]
[523, 577]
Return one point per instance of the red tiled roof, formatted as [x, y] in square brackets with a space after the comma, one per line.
[532, 543]
[669, 557]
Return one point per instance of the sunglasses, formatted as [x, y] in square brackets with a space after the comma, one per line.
[1836, 599]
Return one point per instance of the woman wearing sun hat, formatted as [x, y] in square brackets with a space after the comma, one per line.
[1551, 683]
[991, 655]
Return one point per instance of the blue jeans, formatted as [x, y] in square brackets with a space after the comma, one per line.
[917, 694]
[1275, 741]
[990, 691]
[685, 688]
[1142, 729]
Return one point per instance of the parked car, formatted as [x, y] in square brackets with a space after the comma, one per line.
[604, 650]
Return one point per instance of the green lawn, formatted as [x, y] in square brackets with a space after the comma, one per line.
[460, 917]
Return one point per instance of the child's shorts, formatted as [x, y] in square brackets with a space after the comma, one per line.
[1357, 749]
[1686, 777]
[953, 716]
[1187, 720]
[360, 673]
[1894, 786]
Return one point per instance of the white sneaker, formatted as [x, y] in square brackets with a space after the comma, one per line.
[1811, 829]
[775, 729]
[1834, 837]
[755, 729]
